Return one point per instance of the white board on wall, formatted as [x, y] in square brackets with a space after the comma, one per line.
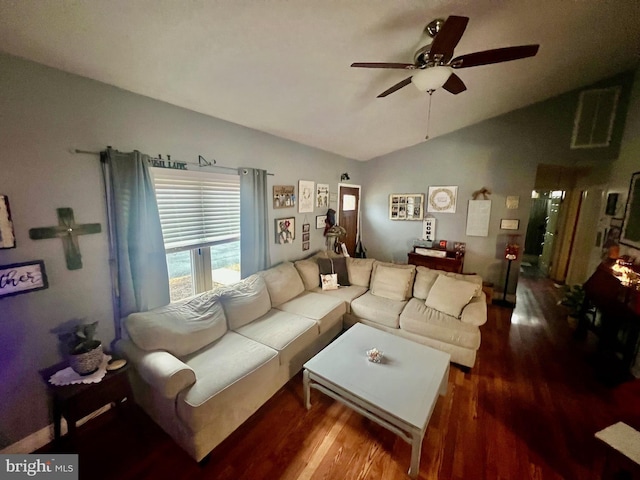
[478, 215]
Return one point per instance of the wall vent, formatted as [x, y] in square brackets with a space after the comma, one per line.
[593, 123]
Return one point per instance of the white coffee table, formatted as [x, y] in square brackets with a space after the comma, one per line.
[399, 394]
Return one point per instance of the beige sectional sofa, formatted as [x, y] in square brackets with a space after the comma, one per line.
[204, 365]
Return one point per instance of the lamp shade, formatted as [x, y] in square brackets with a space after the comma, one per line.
[431, 78]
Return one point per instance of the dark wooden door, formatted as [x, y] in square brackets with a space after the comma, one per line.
[348, 214]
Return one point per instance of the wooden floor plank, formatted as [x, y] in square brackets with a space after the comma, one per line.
[527, 410]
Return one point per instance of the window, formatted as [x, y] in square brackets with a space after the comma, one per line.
[200, 218]
[593, 123]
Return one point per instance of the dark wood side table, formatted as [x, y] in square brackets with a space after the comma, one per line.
[452, 262]
[74, 402]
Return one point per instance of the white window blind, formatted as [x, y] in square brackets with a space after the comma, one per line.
[197, 209]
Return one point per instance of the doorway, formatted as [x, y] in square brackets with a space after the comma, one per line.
[543, 229]
[349, 214]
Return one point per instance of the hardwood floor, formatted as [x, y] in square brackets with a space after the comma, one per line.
[528, 409]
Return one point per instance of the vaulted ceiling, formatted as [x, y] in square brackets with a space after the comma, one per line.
[283, 66]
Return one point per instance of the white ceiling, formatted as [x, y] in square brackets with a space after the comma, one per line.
[282, 66]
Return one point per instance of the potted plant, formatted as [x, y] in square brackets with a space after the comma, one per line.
[84, 353]
[573, 297]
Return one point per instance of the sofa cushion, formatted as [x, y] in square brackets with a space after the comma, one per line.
[234, 359]
[472, 278]
[392, 281]
[419, 319]
[347, 294]
[245, 301]
[283, 283]
[324, 309]
[334, 265]
[378, 309]
[425, 278]
[449, 295]
[180, 328]
[359, 270]
[286, 332]
[309, 273]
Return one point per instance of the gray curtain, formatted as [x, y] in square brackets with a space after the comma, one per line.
[254, 227]
[137, 257]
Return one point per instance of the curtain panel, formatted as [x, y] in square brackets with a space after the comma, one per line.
[137, 257]
[254, 226]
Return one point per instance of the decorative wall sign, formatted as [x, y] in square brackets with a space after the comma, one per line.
[285, 230]
[406, 206]
[442, 199]
[322, 195]
[7, 237]
[509, 224]
[478, 216]
[320, 221]
[513, 202]
[284, 196]
[306, 191]
[429, 229]
[68, 230]
[22, 278]
[631, 225]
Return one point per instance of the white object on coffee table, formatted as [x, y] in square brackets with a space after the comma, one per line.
[398, 394]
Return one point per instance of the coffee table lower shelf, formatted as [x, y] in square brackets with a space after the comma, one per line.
[408, 433]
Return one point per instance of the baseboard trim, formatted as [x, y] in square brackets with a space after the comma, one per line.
[45, 435]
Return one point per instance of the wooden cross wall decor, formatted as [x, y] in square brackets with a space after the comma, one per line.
[68, 230]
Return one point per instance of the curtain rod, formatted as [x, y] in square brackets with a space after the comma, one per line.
[207, 164]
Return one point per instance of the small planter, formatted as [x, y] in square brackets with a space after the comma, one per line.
[88, 362]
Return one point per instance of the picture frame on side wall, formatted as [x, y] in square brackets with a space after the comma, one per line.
[406, 206]
[285, 230]
[7, 235]
[23, 277]
[630, 234]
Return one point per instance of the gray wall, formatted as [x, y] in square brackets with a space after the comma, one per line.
[501, 154]
[44, 113]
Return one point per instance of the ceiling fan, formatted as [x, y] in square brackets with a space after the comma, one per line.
[434, 62]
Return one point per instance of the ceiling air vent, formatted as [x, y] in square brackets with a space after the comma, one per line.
[593, 124]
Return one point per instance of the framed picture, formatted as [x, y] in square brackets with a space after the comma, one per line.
[305, 237]
[612, 203]
[306, 227]
[305, 246]
[406, 206]
[320, 221]
[24, 277]
[306, 191]
[508, 224]
[630, 234]
[285, 230]
[284, 196]
[7, 236]
[322, 195]
[442, 199]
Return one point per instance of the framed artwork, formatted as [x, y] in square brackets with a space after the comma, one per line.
[305, 246]
[442, 199]
[284, 196]
[305, 237]
[630, 234]
[7, 236]
[320, 221]
[306, 191]
[513, 202]
[406, 206]
[508, 224]
[285, 230]
[322, 195]
[306, 227]
[24, 277]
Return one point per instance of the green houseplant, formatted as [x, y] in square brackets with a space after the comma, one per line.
[572, 298]
[84, 353]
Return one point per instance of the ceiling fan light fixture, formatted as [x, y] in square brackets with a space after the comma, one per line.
[431, 78]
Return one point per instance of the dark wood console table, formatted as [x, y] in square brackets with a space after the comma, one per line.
[452, 262]
[612, 311]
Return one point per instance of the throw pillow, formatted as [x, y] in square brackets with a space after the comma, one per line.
[449, 295]
[334, 265]
[360, 271]
[309, 271]
[392, 281]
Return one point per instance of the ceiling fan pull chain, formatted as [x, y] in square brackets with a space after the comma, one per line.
[430, 92]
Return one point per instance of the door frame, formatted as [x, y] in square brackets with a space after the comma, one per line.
[350, 185]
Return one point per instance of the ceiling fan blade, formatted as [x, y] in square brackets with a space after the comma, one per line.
[396, 87]
[448, 37]
[404, 66]
[454, 84]
[494, 56]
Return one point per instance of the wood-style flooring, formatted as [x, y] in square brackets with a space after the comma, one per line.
[527, 410]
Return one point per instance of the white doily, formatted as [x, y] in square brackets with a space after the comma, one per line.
[68, 376]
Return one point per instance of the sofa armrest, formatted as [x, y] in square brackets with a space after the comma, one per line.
[163, 371]
[475, 312]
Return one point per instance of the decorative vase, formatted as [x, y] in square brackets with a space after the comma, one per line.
[88, 362]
